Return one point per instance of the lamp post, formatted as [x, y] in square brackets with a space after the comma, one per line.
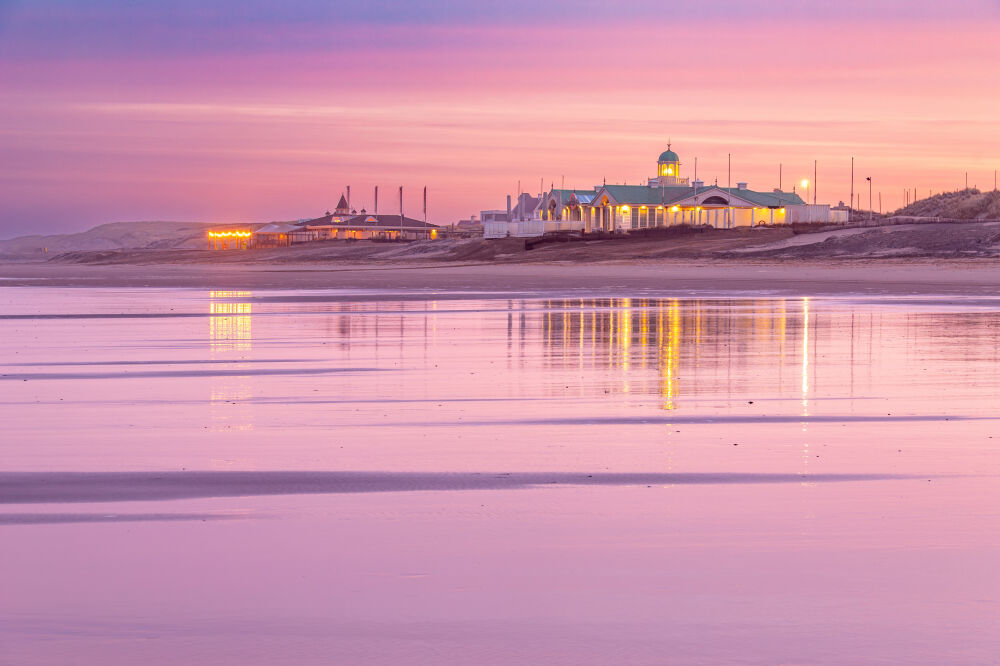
[805, 186]
[869, 179]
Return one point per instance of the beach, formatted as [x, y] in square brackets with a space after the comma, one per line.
[734, 276]
[500, 464]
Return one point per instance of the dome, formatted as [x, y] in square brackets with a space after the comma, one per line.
[668, 156]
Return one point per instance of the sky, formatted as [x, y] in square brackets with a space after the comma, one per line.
[259, 110]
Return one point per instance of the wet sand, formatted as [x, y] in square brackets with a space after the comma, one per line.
[218, 477]
[49, 487]
[730, 276]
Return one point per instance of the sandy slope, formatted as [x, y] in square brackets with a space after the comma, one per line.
[113, 236]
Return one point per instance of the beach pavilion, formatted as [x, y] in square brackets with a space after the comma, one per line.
[667, 199]
[345, 223]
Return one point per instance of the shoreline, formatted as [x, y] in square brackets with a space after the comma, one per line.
[829, 277]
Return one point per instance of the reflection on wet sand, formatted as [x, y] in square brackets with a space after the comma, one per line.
[683, 340]
[230, 333]
[229, 321]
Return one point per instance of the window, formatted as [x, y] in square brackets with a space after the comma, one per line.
[635, 218]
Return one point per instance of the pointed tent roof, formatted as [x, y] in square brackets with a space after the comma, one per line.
[342, 204]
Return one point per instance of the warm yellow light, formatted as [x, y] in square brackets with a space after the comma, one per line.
[659, 208]
[229, 234]
[674, 209]
[805, 182]
[434, 234]
[670, 171]
[624, 209]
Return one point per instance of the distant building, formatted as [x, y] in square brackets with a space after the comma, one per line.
[666, 199]
[498, 223]
[468, 228]
[344, 223]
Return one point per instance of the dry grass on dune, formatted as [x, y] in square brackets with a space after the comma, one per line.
[969, 204]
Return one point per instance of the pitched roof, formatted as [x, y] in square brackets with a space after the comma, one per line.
[342, 204]
[765, 198]
[644, 195]
[583, 196]
[530, 204]
[276, 228]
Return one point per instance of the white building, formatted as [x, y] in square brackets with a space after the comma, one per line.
[666, 200]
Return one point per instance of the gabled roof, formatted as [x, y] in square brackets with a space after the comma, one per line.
[276, 228]
[765, 198]
[342, 204]
[530, 204]
[644, 195]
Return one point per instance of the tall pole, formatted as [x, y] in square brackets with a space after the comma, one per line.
[376, 201]
[815, 167]
[348, 198]
[425, 211]
[870, 209]
[779, 190]
[852, 187]
[966, 180]
[400, 212]
[729, 186]
[879, 203]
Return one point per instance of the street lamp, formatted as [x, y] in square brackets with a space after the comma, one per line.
[869, 179]
[805, 186]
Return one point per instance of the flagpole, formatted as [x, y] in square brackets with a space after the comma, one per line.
[850, 210]
[729, 187]
[400, 212]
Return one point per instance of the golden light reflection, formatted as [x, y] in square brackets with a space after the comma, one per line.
[805, 356]
[230, 334]
[229, 321]
[654, 343]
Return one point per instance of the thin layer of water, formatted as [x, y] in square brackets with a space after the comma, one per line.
[271, 477]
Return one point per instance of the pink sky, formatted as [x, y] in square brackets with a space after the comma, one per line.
[272, 122]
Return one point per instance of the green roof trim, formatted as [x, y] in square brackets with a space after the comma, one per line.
[644, 195]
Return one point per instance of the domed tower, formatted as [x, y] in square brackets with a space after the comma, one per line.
[668, 169]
